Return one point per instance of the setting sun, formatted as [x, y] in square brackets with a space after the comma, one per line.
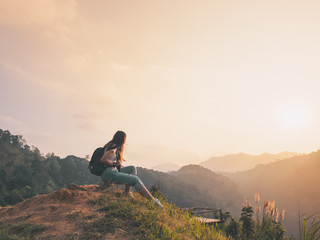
[294, 118]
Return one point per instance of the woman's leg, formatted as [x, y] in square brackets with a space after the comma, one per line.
[143, 190]
[129, 180]
[127, 191]
[108, 175]
[129, 170]
[145, 193]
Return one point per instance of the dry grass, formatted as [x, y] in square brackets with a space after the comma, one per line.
[92, 212]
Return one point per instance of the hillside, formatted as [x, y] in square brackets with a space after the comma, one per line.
[290, 182]
[93, 212]
[242, 161]
[221, 189]
[25, 172]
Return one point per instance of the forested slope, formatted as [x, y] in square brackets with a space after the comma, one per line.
[25, 172]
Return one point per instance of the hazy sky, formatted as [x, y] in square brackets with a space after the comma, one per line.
[186, 80]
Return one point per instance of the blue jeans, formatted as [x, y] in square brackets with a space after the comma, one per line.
[127, 176]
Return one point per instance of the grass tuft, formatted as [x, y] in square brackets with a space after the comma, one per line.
[142, 219]
[20, 231]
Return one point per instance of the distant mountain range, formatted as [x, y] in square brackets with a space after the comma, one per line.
[222, 189]
[166, 167]
[242, 161]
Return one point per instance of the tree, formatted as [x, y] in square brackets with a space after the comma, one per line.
[232, 229]
[26, 192]
[247, 228]
[21, 176]
[17, 141]
[14, 197]
[3, 176]
[36, 150]
[5, 136]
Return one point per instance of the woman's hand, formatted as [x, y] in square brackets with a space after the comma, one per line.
[106, 158]
[119, 162]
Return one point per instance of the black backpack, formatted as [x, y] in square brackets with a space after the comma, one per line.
[96, 167]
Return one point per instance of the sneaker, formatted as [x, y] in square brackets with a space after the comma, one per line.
[129, 194]
[157, 202]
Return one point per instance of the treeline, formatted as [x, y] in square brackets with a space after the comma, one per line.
[25, 172]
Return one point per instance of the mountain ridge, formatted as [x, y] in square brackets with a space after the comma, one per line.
[219, 187]
[166, 167]
[242, 161]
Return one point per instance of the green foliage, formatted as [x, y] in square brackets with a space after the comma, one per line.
[14, 197]
[247, 222]
[24, 172]
[26, 192]
[310, 228]
[270, 228]
[248, 227]
[224, 216]
[232, 229]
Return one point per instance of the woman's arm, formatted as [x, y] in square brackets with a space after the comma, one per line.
[120, 157]
[106, 158]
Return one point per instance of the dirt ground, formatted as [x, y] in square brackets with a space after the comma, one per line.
[62, 211]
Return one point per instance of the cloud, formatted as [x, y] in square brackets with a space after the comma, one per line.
[49, 20]
[87, 121]
[77, 63]
[9, 121]
[13, 69]
[34, 12]
[165, 68]
[120, 67]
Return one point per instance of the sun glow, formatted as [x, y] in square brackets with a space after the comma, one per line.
[294, 117]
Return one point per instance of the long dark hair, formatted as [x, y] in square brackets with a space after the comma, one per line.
[117, 142]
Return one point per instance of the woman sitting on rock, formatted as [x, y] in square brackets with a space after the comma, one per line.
[115, 173]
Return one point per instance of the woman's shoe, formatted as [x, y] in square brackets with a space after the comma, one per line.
[157, 202]
[129, 194]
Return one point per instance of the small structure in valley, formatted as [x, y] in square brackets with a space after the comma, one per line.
[201, 214]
